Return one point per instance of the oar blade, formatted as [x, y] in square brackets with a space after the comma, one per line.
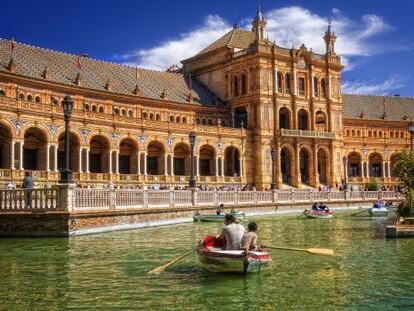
[161, 269]
[321, 251]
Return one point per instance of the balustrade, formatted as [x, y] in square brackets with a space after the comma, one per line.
[28, 199]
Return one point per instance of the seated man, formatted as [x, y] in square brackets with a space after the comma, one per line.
[322, 207]
[315, 206]
[249, 240]
[232, 233]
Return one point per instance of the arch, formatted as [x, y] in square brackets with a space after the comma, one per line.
[240, 117]
[155, 158]
[235, 86]
[184, 120]
[181, 159]
[74, 151]
[21, 96]
[116, 110]
[198, 121]
[145, 115]
[375, 164]
[2, 92]
[303, 119]
[130, 113]
[151, 116]
[287, 167]
[34, 150]
[204, 122]
[305, 164]
[287, 83]
[101, 109]
[157, 117]
[128, 156]
[38, 99]
[171, 118]
[210, 122]
[393, 162]
[323, 166]
[321, 121]
[279, 81]
[6, 136]
[99, 154]
[30, 97]
[243, 84]
[284, 118]
[178, 119]
[207, 155]
[94, 108]
[231, 161]
[86, 106]
[123, 112]
[54, 100]
[354, 164]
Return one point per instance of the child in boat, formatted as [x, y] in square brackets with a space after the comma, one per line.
[249, 240]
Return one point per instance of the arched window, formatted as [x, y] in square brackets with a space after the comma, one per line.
[301, 86]
[86, 107]
[2, 93]
[21, 96]
[235, 86]
[157, 117]
[37, 99]
[151, 116]
[171, 118]
[204, 122]
[130, 113]
[101, 109]
[30, 97]
[145, 115]
[197, 121]
[184, 120]
[178, 119]
[116, 110]
[287, 83]
[210, 122]
[315, 86]
[244, 84]
[323, 88]
[54, 100]
[94, 108]
[279, 81]
[123, 111]
[223, 123]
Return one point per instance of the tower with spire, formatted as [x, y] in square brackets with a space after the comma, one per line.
[259, 24]
[330, 39]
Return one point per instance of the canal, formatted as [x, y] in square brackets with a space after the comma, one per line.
[109, 271]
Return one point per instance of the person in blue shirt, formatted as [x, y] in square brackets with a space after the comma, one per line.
[315, 206]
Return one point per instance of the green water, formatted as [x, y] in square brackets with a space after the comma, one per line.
[109, 271]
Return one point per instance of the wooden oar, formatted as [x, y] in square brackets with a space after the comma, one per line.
[170, 263]
[365, 210]
[317, 251]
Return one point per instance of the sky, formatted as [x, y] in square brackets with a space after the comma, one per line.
[375, 37]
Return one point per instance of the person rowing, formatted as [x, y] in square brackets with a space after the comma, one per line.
[219, 209]
[232, 233]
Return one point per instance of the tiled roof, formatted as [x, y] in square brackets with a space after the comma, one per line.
[236, 38]
[62, 68]
[396, 108]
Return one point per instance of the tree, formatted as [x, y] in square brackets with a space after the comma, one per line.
[372, 185]
[404, 170]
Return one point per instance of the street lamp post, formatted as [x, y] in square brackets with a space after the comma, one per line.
[272, 155]
[192, 138]
[345, 160]
[411, 130]
[66, 173]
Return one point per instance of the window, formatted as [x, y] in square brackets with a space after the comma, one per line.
[145, 115]
[37, 99]
[301, 86]
[178, 119]
[171, 118]
[2, 93]
[236, 86]
[244, 84]
[287, 83]
[124, 112]
[86, 106]
[151, 116]
[279, 82]
[315, 87]
[184, 120]
[21, 96]
[94, 109]
[197, 121]
[323, 88]
[130, 113]
[116, 110]
[210, 122]
[54, 100]
[30, 97]
[157, 117]
[204, 122]
[101, 109]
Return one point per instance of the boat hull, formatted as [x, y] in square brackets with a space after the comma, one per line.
[378, 212]
[217, 260]
[216, 218]
[318, 214]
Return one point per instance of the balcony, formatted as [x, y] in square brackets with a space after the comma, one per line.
[306, 134]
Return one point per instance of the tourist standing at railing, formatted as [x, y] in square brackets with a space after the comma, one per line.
[28, 183]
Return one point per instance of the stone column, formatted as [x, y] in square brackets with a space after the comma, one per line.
[198, 165]
[117, 162]
[297, 162]
[110, 162]
[362, 169]
[278, 164]
[87, 160]
[55, 157]
[21, 156]
[172, 164]
[47, 157]
[222, 166]
[165, 164]
[389, 169]
[383, 170]
[329, 87]
[312, 85]
[12, 154]
[294, 83]
[217, 166]
[80, 159]
[241, 166]
[315, 167]
[139, 163]
[367, 167]
[145, 163]
[275, 79]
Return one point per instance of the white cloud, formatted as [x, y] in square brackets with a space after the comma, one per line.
[287, 26]
[374, 87]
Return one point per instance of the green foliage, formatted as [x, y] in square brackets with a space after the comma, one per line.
[372, 185]
[404, 170]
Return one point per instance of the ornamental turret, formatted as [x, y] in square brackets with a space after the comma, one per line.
[259, 25]
[330, 39]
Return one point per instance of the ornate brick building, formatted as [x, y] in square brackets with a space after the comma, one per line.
[241, 95]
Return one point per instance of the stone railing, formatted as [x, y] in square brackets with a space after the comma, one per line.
[309, 134]
[72, 199]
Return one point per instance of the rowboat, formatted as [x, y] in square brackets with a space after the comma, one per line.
[317, 214]
[215, 259]
[381, 211]
[217, 217]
